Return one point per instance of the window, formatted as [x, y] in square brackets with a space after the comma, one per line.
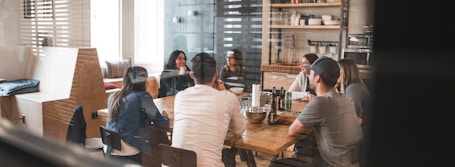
[105, 29]
[149, 34]
[107, 25]
[54, 23]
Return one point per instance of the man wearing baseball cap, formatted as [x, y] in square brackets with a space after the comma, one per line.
[330, 116]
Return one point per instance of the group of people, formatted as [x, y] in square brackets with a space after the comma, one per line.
[330, 128]
[132, 109]
[175, 76]
[331, 121]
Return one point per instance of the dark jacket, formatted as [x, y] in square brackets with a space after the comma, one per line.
[167, 79]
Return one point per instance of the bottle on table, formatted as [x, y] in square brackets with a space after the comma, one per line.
[281, 98]
[288, 101]
[273, 111]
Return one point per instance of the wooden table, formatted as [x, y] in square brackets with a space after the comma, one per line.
[262, 138]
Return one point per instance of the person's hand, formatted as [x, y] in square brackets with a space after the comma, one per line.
[310, 96]
[219, 85]
[164, 113]
[182, 70]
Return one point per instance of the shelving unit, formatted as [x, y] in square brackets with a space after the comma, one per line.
[327, 4]
[304, 27]
[273, 31]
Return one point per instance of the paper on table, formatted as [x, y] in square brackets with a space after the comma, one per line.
[256, 95]
[298, 95]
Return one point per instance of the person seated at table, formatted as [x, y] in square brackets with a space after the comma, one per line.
[233, 74]
[301, 82]
[330, 116]
[203, 114]
[175, 76]
[353, 86]
[126, 114]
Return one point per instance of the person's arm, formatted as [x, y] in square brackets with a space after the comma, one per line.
[153, 113]
[237, 123]
[167, 78]
[355, 93]
[223, 73]
[309, 116]
[296, 129]
[219, 85]
[297, 84]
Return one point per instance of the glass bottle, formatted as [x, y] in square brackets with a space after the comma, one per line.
[281, 19]
[286, 18]
[281, 99]
[288, 101]
[273, 113]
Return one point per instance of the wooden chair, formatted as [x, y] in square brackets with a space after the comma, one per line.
[76, 132]
[111, 139]
[178, 157]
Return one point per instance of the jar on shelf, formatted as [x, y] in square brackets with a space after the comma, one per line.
[284, 18]
[289, 56]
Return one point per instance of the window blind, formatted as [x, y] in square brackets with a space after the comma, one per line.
[239, 25]
[55, 23]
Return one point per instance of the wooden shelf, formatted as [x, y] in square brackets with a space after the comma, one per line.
[336, 27]
[292, 69]
[302, 5]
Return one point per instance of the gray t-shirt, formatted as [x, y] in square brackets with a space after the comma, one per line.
[359, 97]
[336, 127]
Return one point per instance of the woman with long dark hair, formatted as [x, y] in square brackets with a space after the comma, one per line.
[353, 86]
[175, 76]
[127, 114]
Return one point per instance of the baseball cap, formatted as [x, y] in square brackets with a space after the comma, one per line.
[307, 66]
[326, 67]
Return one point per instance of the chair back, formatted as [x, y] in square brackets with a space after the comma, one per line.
[178, 157]
[111, 139]
[77, 127]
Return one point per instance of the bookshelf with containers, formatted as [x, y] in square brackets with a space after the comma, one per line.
[290, 30]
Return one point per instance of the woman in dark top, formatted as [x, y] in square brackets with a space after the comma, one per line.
[175, 76]
[234, 71]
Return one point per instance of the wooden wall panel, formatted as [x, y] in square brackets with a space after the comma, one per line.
[87, 90]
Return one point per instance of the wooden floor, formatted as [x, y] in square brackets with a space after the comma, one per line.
[262, 160]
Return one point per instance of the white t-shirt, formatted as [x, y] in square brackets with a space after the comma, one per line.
[202, 117]
[300, 83]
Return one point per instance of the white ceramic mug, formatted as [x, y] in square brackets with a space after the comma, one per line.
[333, 49]
[302, 22]
[322, 49]
[312, 49]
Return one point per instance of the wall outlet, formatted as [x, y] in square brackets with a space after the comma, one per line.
[94, 115]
